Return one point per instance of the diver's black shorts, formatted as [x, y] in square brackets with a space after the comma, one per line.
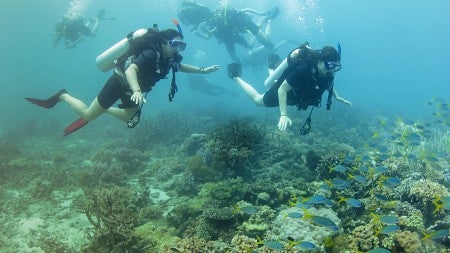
[244, 21]
[270, 97]
[113, 90]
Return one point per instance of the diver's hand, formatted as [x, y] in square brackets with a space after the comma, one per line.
[284, 122]
[347, 102]
[137, 97]
[210, 69]
[344, 101]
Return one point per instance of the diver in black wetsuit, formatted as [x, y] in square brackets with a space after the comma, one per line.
[227, 24]
[309, 74]
[74, 28]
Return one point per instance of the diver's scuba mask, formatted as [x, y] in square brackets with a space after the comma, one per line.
[177, 45]
[334, 66]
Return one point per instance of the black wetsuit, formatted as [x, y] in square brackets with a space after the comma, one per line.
[230, 28]
[73, 30]
[307, 85]
[151, 70]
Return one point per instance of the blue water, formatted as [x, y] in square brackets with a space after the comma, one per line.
[395, 53]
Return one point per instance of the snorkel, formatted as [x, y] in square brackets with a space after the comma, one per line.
[339, 49]
[177, 24]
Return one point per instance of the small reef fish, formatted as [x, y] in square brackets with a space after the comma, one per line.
[319, 220]
[441, 204]
[380, 197]
[357, 178]
[413, 137]
[389, 219]
[248, 209]
[295, 215]
[306, 245]
[338, 168]
[273, 245]
[303, 244]
[350, 201]
[338, 183]
[436, 234]
[379, 250]
[316, 199]
[325, 222]
[381, 169]
[389, 229]
[391, 182]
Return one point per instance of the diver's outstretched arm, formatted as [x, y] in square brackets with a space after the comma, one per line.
[340, 99]
[198, 70]
[260, 13]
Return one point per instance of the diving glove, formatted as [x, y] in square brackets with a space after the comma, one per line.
[234, 70]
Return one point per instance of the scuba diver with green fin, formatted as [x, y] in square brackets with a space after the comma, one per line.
[300, 80]
[140, 60]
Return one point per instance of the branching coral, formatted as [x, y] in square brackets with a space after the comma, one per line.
[113, 214]
[232, 145]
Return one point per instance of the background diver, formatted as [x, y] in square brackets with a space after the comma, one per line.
[228, 25]
[74, 28]
[199, 83]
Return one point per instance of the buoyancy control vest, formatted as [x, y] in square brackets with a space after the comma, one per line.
[314, 89]
[123, 53]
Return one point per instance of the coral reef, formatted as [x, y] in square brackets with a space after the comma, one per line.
[233, 145]
[225, 189]
[242, 243]
[300, 229]
[409, 241]
[189, 245]
[422, 194]
[363, 238]
[113, 214]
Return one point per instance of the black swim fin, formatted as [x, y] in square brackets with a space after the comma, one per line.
[271, 14]
[49, 102]
[273, 61]
[75, 126]
[234, 70]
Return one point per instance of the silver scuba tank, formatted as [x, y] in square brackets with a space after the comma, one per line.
[107, 60]
[272, 78]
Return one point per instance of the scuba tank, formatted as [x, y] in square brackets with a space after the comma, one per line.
[107, 60]
[272, 78]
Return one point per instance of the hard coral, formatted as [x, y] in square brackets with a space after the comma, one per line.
[363, 237]
[113, 214]
[409, 241]
[242, 243]
[232, 145]
[189, 245]
[422, 194]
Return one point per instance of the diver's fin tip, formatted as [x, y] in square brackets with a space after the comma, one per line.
[75, 126]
